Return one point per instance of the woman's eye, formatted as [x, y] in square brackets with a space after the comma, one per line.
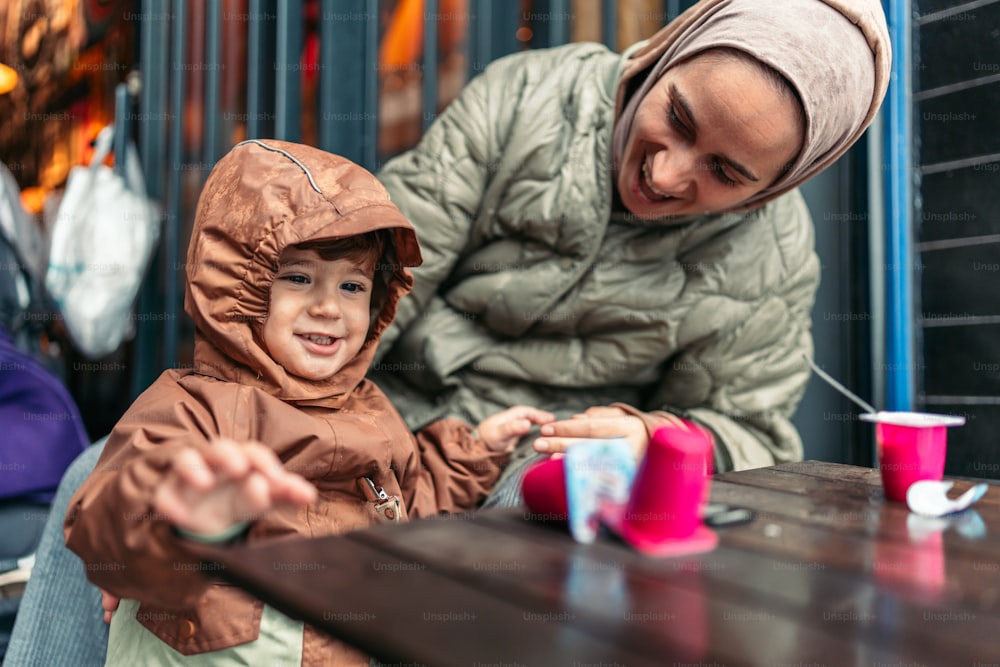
[676, 121]
[724, 178]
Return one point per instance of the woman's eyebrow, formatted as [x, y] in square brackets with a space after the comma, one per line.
[740, 168]
[686, 108]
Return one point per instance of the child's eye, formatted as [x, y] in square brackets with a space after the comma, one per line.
[296, 279]
[353, 288]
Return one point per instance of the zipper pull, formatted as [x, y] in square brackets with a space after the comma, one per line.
[386, 506]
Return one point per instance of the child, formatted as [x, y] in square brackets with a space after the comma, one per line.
[295, 268]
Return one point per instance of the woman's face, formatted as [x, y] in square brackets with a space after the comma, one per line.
[710, 134]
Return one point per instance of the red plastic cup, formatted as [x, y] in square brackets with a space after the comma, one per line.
[544, 489]
[670, 488]
[911, 447]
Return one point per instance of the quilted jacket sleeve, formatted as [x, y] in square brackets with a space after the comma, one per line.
[439, 184]
[742, 373]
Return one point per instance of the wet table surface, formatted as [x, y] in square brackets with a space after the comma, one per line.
[827, 573]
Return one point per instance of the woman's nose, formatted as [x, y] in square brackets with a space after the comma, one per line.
[674, 172]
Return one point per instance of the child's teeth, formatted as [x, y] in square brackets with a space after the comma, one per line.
[322, 340]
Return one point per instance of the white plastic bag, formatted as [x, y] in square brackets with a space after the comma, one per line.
[102, 239]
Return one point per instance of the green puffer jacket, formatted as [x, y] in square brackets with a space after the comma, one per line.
[533, 291]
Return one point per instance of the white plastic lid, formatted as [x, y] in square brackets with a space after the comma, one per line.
[919, 419]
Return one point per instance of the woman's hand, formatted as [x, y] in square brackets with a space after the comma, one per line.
[208, 491]
[502, 431]
[596, 422]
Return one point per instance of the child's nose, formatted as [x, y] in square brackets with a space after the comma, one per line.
[326, 305]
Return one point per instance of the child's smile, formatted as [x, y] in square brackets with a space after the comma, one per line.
[322, 345]
[318, 316]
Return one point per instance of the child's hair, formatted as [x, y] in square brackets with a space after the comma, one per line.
[374, 250]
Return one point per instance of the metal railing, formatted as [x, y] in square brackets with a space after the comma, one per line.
[346, 112]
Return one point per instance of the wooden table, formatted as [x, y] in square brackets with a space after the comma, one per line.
[828, 573]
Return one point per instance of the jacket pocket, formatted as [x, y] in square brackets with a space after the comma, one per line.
[223, 617]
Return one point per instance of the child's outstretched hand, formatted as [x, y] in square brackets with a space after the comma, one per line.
[208, 491]
[501, 431]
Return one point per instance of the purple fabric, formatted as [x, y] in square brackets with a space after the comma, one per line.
[41, 431]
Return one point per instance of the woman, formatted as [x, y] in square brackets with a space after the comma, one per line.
[619, 236]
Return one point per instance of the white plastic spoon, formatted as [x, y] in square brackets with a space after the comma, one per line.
[930, 498]
[839, 387]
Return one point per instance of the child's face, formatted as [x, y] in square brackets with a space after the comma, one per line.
[318, 316]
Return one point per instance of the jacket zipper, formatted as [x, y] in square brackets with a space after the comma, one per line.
[386, 506]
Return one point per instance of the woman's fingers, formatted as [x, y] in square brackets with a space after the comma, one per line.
[560, 435]
[675, 421]
[602, 412]
[587, 427]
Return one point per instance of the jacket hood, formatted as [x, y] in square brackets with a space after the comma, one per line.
[262, 197]
[835, 53]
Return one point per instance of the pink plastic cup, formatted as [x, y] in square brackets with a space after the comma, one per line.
[544, 489]
[670, 488]
[911, 447]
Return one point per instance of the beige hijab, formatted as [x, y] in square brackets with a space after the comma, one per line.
[836, 53]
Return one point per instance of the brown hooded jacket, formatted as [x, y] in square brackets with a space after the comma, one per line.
[262, 197]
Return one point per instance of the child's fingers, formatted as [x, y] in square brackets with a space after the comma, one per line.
[109, 602]
[234, 460]
[241, 462]
[193, 470]
[228, 458]
[537, 416]
[286, 488]
[513, 428]
[291, 488]
[263, 460]
[253, 499]
[532, 414]
[169, 502]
